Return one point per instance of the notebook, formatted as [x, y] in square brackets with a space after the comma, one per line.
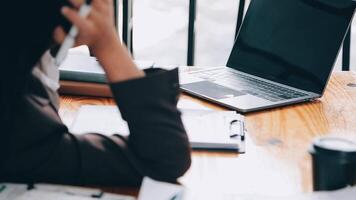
[206, 129]
[79, 67]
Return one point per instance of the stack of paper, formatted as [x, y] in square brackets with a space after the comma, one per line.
[79, 67]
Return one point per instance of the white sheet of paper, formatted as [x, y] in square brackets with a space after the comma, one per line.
[53, 192]
[105, 120]
[206, 128]
[188, 104]
[80, 191]
[55, 195]
[65, 190]
[44, 195]
[11, 191]
[217, 131]
[342, 194]
[156, 190]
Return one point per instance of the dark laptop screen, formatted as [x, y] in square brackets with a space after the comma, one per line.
[293, 42]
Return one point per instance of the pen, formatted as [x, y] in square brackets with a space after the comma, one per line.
[174, 197]
[177, 197]
[2, 188]
[72, 34]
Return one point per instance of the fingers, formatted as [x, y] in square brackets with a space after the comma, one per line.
[73, 16]
[91, 28]
[100, 5]
[95, 3]
[59, 35]
[102, 2]
[76, 3]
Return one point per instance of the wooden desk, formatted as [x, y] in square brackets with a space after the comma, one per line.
[277, 159]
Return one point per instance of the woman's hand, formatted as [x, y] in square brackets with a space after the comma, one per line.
[99, 33]
[97, 30]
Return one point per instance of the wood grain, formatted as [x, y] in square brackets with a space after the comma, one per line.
[277, 161]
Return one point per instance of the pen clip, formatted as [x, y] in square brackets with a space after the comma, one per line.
[232, 130]
[238, 133]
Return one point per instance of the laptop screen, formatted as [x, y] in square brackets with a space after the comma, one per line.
[293, 42]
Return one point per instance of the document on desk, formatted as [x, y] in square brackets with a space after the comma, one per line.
[54, 192]
[157, 190]
[207, 129]
[106, 120]
[342, 194]
[11, 191]
[214, 129]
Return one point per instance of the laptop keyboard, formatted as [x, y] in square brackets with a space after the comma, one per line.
[250, 85]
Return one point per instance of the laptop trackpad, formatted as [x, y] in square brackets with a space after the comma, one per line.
[211, 90]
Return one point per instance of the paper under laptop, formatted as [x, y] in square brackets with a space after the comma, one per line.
[206, 129]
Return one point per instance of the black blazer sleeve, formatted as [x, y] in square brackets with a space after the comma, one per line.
[158, 141]
[158, 147]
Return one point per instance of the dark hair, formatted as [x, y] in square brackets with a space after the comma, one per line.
[26, 33]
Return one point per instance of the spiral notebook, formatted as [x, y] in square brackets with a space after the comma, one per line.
[206, 129]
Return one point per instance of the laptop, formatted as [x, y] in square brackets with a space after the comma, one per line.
[284, 54]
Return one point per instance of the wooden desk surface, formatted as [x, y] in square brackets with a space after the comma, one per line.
[277, 160]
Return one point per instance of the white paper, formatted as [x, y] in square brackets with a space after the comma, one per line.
[105, 120]
[195, 117]
[11, 191]
[47, 195]
[53, 192]
[206, 128]
[343, 194]
[155, 190]
[210, 126]
[108, 196]
[188, 104]
[44, 195]
[80, 191]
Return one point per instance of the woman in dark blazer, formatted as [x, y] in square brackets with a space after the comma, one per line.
[35, 145]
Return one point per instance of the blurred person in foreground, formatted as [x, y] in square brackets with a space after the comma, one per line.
[35, 145]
